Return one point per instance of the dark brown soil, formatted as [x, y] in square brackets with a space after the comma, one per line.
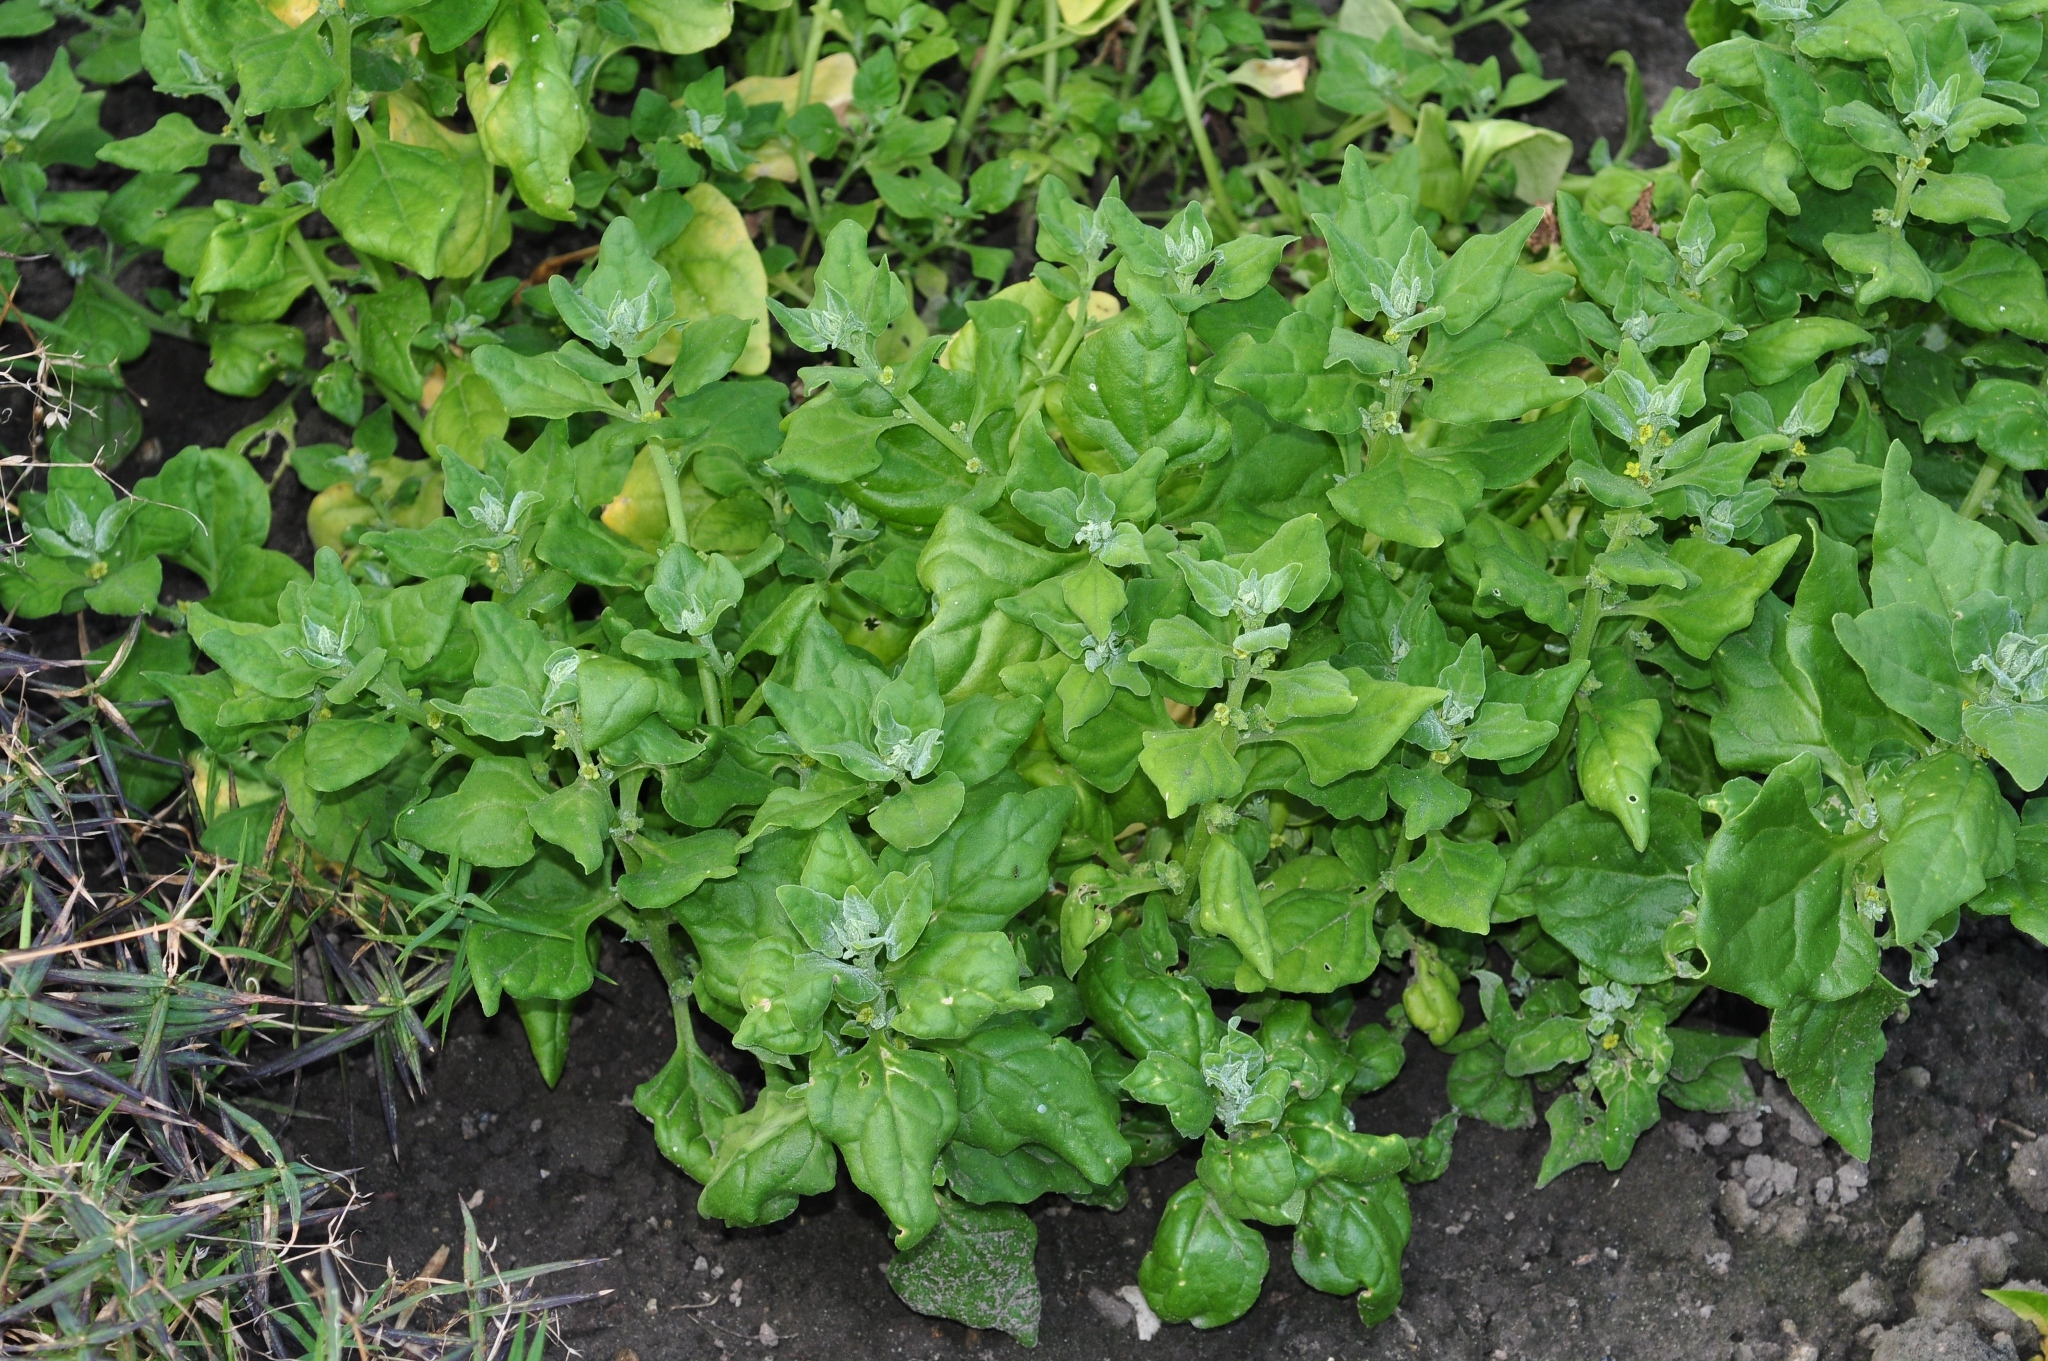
[1644, 1265]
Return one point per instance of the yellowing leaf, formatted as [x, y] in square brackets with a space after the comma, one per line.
[716, 272]
[1538, 156]
[638, 512]
[684, 26]
[293, 12]
[339, 509]
[831, 85]
[1272, 77]
[1049, 321]
[1091, 16]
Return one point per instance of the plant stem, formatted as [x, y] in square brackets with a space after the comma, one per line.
[1589, 621]
[714, 694]
[1192, 112]
[814, 40]
[1136, 56]
[1052, 54]
[1980, 491]
[340, 30]
[1080, 328]
[671, 492]
[1489, 13]
[147, 315]
[1052, 45]
[337, 307]
[985, 72]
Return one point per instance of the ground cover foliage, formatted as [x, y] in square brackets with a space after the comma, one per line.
[1400, 560]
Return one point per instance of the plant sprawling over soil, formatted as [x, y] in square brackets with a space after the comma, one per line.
[1043, 741]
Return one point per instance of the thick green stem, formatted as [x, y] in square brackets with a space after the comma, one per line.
[1980, 491]
[985, 73]
[1080, 328]
[1589, 620]
[1192, 111]
[1040, 50]
[752, 706]
[671, 492]
[337, 306]
[814, 42]
[339, 30]
[1135, 58]
[714, 694]
[659, 945]
[930, 425]
[1052, 45]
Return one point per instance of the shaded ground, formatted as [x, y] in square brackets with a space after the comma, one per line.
[1694, 1252]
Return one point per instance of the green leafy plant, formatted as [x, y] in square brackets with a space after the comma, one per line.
[1112, 709]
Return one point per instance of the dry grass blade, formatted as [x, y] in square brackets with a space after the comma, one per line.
[141, 1213]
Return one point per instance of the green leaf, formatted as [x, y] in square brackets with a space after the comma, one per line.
[483, 822]
[1958, 197]
[1019, 1085]
[1827, 1052]
[1494, 382]
[1617, 754]
[1889, 259]
[1997, 288]
[1255, 1176]
[1544, 1045]
[287, 70]
[975, 1268]
[1230, 904]
[993, 862]
[2003, 416]
[1142, 1009]
[1351, 1238]
[783, 995]
[1162, 1079]
[536, 947]
[397, 202]
[890, 1111]
[767, 1158]
[546, 1023]
[1359, 740]
[1601, 898]
[1408, 497]
[1130, 390]
[1453, 883]
[1205, 1267]
[577, 818]
[948, 987]
[529, 117]
[1904, 651]
[689, 1101]
[1322, 941]
[1192, 765]
[1947, 832]
[1773, 353]
[1482, 1086]
[1730, 582]
[1778, 917]
[921, 813]
[174, 143]
[540, 385]
[341, 751]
